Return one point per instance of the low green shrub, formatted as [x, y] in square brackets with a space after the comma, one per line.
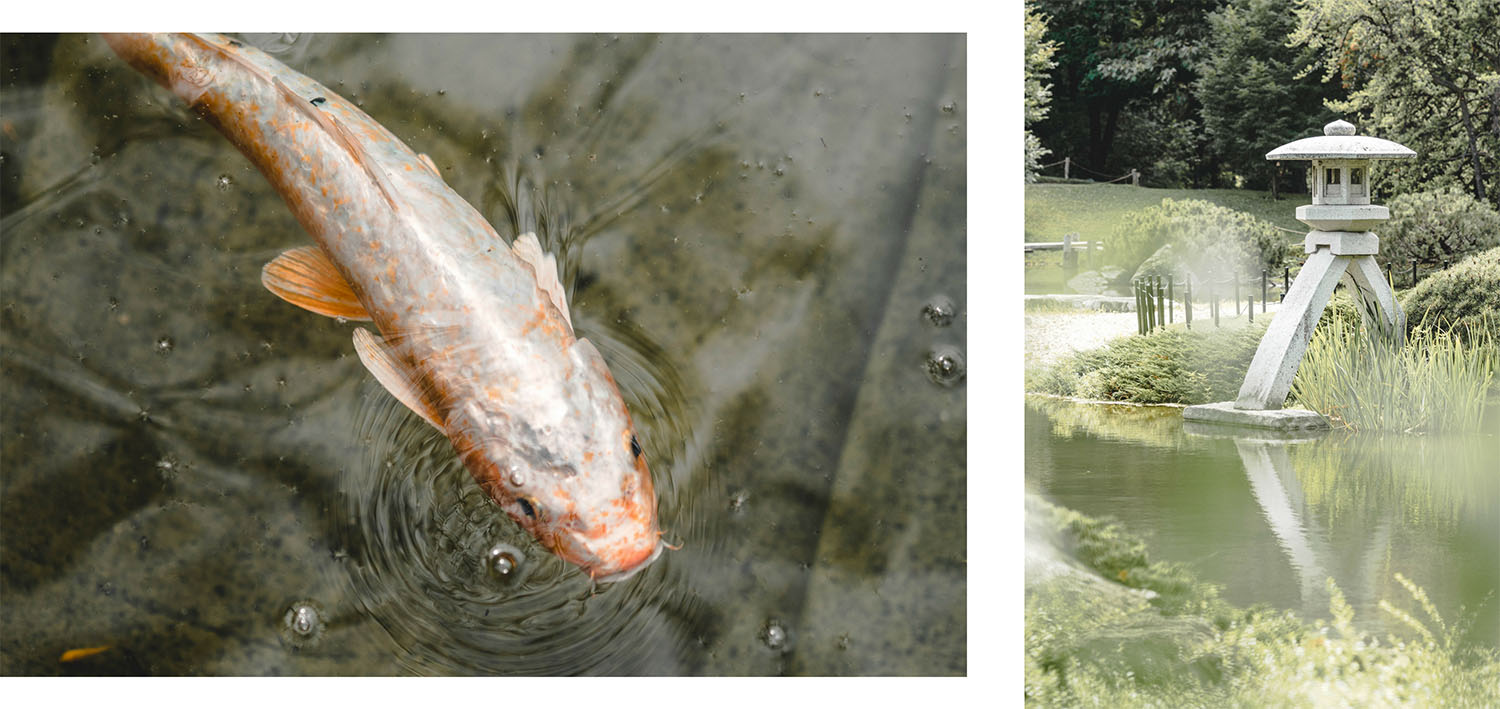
[1436, 226]
[1464, 295]
[1211, 241]
[1171, 366]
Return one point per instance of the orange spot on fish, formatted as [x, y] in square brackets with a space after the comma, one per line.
[80, 653]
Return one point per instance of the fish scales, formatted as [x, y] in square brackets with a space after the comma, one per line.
[475, 334]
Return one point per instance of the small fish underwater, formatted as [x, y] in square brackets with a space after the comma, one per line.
[475, 335]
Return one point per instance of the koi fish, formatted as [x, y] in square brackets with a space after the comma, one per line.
[475, 337]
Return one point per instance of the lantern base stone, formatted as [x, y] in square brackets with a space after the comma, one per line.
[1225, 414]
[1343, 217]
[1343, 243]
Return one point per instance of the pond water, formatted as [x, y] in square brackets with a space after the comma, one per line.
[765, 235]
[1271, 519]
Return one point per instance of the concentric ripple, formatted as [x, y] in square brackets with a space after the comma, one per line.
[460, 588]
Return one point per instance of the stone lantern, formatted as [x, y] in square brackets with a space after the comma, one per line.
[1340, 247]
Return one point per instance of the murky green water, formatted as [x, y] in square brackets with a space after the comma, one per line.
[205, 480]
[1270, 520]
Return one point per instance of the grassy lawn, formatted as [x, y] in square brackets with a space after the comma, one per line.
[1093, 210]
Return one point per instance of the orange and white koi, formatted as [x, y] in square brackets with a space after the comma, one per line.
[475, 336]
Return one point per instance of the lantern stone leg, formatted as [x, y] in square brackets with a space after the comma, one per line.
[1376, 299]
[1269, 378]
[1332, 256]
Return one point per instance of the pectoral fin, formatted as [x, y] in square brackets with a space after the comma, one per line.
[394, 375]
[544, 266]
[306, 278]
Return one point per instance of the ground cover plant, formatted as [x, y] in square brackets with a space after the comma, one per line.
[1175, 642]
[1169, 366]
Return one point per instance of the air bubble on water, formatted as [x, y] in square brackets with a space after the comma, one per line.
[164, 345]
[939, 310]
[303, 624]
[737, 500]
[224, 182]
[517, 479]
[114, 303]
[168, 465]
[945, 365]
[503, 561]
[950, 107]
[775, 635]
[843, 643]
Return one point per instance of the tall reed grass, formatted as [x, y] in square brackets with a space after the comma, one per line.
[1436, 380]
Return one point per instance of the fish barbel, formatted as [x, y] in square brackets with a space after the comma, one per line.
[475, 336]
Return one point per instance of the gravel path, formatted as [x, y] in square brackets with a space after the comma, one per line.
[1051, 336]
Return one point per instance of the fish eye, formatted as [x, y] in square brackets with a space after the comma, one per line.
[635, 446]
[526, 507]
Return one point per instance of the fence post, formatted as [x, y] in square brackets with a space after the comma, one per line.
[1140, 309]
[1264, 278]
[1067, 163]
[1236, 278]
[1171, 306]
[1250, 308]
[1213, 305]
[1150, 306]
[1161, 304]
[1414, 273]
[1135, 177]
[1187, 302]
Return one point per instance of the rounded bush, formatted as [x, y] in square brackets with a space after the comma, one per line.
[1211, 241]
[1436, 226]
[1465, 295]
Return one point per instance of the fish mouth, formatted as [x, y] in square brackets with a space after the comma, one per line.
[627, 573]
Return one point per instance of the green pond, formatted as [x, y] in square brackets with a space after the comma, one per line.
[1271, 520]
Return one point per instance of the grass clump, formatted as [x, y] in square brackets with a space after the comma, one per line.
[1437, 380]
[1171, 366]
[1174, 642]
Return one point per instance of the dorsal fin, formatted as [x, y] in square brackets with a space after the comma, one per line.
[394, 375]
[306, 278]
[331, 124]
[544, 266]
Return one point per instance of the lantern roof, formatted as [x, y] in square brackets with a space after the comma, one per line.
[1339, 142]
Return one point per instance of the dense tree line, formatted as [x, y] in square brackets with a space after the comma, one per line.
[1195, 92]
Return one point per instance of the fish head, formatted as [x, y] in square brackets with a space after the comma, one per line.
[576, 478]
